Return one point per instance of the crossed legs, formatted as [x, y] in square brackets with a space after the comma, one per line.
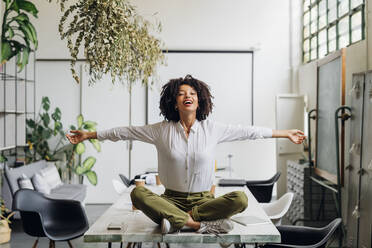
[189, 210]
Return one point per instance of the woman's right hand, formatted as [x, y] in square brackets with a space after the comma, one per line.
[78, 136]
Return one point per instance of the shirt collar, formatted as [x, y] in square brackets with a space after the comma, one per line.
[194, 126]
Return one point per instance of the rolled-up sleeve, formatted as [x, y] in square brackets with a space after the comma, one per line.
[147, 133]
[226, 133]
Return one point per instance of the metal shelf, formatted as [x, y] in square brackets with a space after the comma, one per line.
[12, 112]
[11, 78]
[7, 148]
[16, 96]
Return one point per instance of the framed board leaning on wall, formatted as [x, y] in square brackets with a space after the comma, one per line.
[330, 96]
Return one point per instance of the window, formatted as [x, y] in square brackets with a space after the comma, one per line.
[329, 25]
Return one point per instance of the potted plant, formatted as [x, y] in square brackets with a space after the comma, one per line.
[18, 35]
[5, 215]
[116, 40]
[74, 155]
[40, 131]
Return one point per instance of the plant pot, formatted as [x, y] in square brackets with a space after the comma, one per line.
[4, 232]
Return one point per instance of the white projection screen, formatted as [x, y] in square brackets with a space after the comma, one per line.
[229, 75]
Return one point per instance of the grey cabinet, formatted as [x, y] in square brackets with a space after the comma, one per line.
[359, 172]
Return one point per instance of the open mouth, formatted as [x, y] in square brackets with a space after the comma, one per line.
[187, 102]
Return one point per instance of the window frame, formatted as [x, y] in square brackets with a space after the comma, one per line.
[334, 23]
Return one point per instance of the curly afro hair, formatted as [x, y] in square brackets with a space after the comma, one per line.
[169, 93]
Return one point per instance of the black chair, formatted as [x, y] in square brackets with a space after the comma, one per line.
[58, 220]
[125, 180]
[309, 237]
[263, 189]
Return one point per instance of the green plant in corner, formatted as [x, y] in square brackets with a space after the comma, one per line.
[41, 130]
[74, 155]
[17, 32]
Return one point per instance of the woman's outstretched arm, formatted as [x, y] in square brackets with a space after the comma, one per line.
[147, 133]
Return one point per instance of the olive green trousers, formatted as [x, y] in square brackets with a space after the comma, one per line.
[173, 205]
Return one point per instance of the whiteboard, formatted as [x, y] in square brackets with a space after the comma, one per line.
[229, 75]
[329, 99]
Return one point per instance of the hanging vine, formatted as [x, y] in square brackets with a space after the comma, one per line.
[115, 39]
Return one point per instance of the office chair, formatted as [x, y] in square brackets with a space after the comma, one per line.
[262, 189]
[309, 237]
[277, 209]
[125, 180]
[56, 219]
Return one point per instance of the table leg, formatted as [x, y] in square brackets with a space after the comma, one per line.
[109, 244]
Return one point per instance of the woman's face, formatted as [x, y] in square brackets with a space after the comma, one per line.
[187, 99]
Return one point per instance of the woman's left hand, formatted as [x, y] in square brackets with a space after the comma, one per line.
[296, 136]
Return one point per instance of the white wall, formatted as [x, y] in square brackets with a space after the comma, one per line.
[210, 24]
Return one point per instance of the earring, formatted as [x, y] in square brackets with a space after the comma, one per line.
[175, 108]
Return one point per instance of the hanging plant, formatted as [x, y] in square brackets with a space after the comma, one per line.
[115, 38]
[17, 33]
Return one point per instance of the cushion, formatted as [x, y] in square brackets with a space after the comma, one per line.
[12, 174]
[51, 176]
[40, 184]
[25, 183]
[69, 191]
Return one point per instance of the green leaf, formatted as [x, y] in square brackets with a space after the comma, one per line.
[46, 103]
[33, 33]
[46, 119]
[56, 116]
[6, 51]
[92, 177]
[14, 6]
[26, 31]
[30, 123]
[89, 163]
[57, 127]
[19, 58]
[21, 17]
[80, 148]
[80, 120]
[9, 29]
[28, 7]
[26, 53]
[72, 127]
[80, 170]
[96, 144]
[89, 124]
[46, 134]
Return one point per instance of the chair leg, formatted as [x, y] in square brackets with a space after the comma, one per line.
[52, 244]
[69, 244]
[159, 245]
[35, 243]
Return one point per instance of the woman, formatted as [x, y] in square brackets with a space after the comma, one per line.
[186, 141]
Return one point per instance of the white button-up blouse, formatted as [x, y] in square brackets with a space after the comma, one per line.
[186, 164]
